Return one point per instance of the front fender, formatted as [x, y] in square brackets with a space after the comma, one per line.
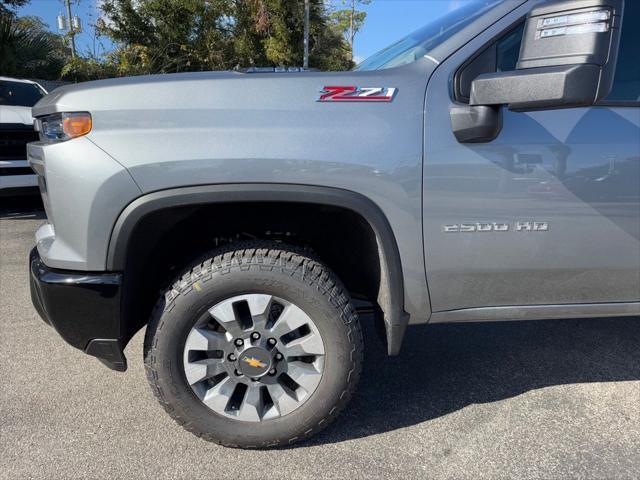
[391, 294]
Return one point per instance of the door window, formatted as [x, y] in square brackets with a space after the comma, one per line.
[501, 56]
[508, 49]
[626, 83]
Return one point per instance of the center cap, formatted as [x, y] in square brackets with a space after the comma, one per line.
[254, 362]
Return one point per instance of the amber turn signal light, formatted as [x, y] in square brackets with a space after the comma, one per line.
[76, 124]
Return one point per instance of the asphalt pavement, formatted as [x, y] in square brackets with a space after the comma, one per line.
[552, 399]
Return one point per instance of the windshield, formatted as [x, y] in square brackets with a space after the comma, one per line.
[420, 42]
[19, 94]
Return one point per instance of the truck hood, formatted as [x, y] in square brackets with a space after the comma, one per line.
[87, 95]
[207, 91]
[14, 114]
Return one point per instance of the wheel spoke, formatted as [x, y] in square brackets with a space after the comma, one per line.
[305, 375]
[308, 345]
[282, 400]
[218, 396]
[224, 314]
[203, 369]
[291, 318]
[259, 306]
[204, 340]
[251, 408]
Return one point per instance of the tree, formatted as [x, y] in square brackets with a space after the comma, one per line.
[29, 49]
[188, 35]
[349, 20]
[80, 69]
[283, 36]
[175, 35]
[249, 27]
[8, 7]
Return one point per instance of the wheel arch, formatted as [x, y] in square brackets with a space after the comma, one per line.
[391, 290]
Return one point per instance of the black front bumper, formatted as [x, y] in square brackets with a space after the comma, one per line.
[83, 307]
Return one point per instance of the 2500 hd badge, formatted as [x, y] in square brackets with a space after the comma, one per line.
[524, 226]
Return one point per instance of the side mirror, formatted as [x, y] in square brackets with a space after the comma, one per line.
[567, 59]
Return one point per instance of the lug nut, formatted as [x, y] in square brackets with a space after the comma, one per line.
[272, 372]
[279, 356]
[239, 342]
[255, 336]
[272, 341]
[231, 357]
[238, 373]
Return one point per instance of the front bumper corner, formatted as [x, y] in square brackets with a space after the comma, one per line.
[83, 307]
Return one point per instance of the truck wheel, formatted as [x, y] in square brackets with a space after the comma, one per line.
[258, 345]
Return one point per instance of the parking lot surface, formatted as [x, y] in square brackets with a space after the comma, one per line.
[508, 400]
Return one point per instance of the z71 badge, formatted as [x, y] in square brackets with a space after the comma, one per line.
[357, 94]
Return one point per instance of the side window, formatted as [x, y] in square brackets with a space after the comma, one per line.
[626, 83]
[499, 56]
[508, 49]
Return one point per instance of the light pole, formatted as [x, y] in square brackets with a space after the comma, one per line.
[305, 61]
[72, 24]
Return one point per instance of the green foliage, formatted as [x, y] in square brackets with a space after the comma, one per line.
[80, 69]
[283, 37]
[8, 7]
[188, 35]
[349, 21]
[343, 18]
[165, 36]
[28, 49]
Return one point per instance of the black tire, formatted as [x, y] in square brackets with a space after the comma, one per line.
[255, 267]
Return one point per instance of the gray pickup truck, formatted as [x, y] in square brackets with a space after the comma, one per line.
[484, 168]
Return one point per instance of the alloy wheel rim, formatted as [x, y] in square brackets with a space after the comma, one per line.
[254, 357]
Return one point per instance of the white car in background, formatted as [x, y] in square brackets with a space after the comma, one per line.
[17, 96]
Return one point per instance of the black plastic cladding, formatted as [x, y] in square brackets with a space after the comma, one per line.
[391, 299]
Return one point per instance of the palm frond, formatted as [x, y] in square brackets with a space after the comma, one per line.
[23, 50]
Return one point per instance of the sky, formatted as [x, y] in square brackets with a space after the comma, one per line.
[390, 20]
[387, 21]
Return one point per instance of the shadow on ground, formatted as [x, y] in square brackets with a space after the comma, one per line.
[444, 368]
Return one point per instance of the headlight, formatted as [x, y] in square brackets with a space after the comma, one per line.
[64, 126]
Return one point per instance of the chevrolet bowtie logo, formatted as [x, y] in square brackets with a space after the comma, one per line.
[254, 362]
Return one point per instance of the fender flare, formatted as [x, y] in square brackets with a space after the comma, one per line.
[391, 294]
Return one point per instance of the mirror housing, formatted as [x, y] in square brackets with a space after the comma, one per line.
[546, 87]
[476, 124]
[567, 59]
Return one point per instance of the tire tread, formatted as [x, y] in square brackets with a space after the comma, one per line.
[264, 255]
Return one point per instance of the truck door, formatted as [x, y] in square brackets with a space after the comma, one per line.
[549, 211]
